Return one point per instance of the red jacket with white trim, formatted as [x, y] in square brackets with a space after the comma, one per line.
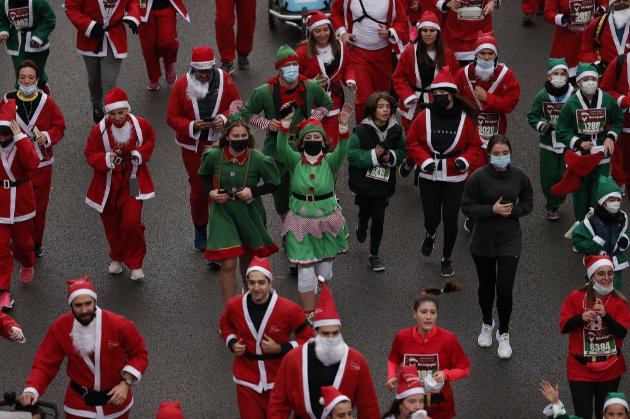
[619, 88]
[6, 323]
[460, 34]
[17, 203]
[610, 46]
[178, 5]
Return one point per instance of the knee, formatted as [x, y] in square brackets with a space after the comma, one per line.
[228, 265]
[306, 280]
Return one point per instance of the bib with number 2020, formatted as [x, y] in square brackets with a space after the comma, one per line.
[581, 13]
[488, 124]
[591, 121]
[551, 111]
[598, 340]
[426, 364]
[378, 173]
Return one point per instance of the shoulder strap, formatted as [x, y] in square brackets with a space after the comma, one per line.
[306, 110]
[620, 60]
[275, 96]
[599, 30]
[364, 14]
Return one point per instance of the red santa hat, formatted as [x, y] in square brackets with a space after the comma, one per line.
[485, 41]
[429, 19]
[594, 262]
[116, 99]
[81, 286]
[578, 166]
[326, 312]
[202, 58]
[315, 19]
[7, 113]
[444, 80]
[260, 265]
[170, 410]
[409, 382]
[331, 397]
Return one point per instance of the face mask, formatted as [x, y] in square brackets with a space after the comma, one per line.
[441, 100]
[558, 81]
[589, 87]
[484, 64]
[601, 290]
[6, 143]
[613, 207]
[238, 145]
[419, 414]
[312, 148]
[28, 90]
[291, 73]
[500, 162]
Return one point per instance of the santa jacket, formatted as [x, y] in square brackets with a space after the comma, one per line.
[610, 47]
[283, 317]
[84, 14]
[97, 150]
[291, 393]
[6, 323]
[459, 34]
[178, 5]
[183, 111]
[36, 24]
[17, 203]
[466, 146]
[48, 119]
[118, 347]
[342, 20]
[406, 77]
[312, 67]
[618, 88]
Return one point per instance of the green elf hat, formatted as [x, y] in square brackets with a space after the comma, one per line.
[615, 398]
[284, 55]
[585, 70]
[607, 188]
[308, 126]
[554, 64]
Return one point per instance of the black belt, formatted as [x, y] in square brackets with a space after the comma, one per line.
[8, 184]
[263, 357]
[589, 359]
[91, 397]
[437, 398]
[447, 156]
[420, 89]
[312, 198]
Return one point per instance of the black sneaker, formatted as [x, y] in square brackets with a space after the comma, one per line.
[227, 66]
[97, 113]
[446, 268]
[404, 169]
[376, 264]
[243, 61]
[293, 270]
[361, 234]
[528, 20]
[38, 251]
[469, 224]
[427, 245]
[201, 239]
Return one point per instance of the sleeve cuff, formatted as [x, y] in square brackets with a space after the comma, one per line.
[19, 136]
[619, 100]
[192, 132]
[4, 33]
[374, 158]
[88, 31]
[138, 156]
[343, 128]
[442, 6]
[599, 240]
[31, 390]
[108, 161]
[223, 118]
[465, 162]
[131, 370]
[425, 164]
[229, 338]
[36, 39]
[538, 125]
[573, 141]
[48, 142]
[613, 134]
[409, 99]
[285, 124]
[348, 82]
[392, 160]
[341, 31]
[558, 20]
[294, 344]
[133, 19]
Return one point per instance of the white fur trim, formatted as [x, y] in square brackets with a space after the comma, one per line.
[598, 264]
[605, 197]
[319, 23]
[599, 240]
[88, 31]
[586, 74]
[133, 19]
[374, 158]
[556, 67]
[81, 291]
[558, 20]
[330, 406]
[202, 65]
[443, 85]
[486, 46]
[229, 338]
[429, 24]
[409, 392]
[137, 154]
[615, 400]
[327, 322]
[116, 105]
[31, 390]
[259, 269]
[131, 370]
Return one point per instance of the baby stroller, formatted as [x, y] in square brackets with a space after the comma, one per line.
[44, 409]
[291, 12]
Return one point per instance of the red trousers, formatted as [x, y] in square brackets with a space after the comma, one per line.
[41, 180]
[16, 240]
[331, 128]
[69, 416]
[224, 27]
[620, 161]
[529, 7]
[199, 199]
[252, 405]
[122, 220]
[158, 37]
[373, 73]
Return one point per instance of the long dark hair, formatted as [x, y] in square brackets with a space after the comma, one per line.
[224, 140]
[424, 55]
[394, 409]
[590, 292]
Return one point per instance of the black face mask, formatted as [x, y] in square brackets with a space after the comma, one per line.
[238, 145]
[441, 100]
[312, 148]
[5, 144]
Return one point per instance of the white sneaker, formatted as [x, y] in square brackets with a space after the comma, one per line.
[115, 267]
[137, 274]
[485, 337]
[505, 350]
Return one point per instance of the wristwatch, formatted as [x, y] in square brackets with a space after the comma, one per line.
[128, 381]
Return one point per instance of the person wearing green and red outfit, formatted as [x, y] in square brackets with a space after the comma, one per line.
[237, 225]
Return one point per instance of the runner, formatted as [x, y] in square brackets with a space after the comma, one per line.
[410, 396]
[224, 28]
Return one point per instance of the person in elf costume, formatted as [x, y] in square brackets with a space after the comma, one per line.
[555, 409]
[25, 26]
[310, 101]
[543, 116]
[315, 229]
[589, 123]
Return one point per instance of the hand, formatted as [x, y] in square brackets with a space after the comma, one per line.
[386, 156]
[586, 145]
[290, 116]
[347, 39]
[97, 32]
[112, 157]
[439, 376]
[269, 345]
[217, 124]
[391, 383]
[132, 26]
[27, 399]
[545, 128]
[503, 210]
[323, 81]
[15, 334]
[429, 167]
[489, 7]
[118, 394]
[199, 124]
[598, 308]
[15, 128]
[41, 138]
[35, 44]
[219, 198]
[382, 32]
[4, 37]
[481, 94]
[379, 151]
[345, 114]
[352, 87]
[551, 393]
[239, 348]
[623, 242]
[609, 146]
[414, 6]
[273, 126]
[245, 195]
[589, 316]
[454, 4]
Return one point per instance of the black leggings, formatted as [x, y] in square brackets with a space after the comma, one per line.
[441, 202]
[583, 393]
[496, 273]
[373, 208]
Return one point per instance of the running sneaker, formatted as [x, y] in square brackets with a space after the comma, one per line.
[552, 215]
[39, 252]
[137, 274]
[26, 275]
[505, 350]
[153, 87]
[115, 267]
[97, 113]
[485, 337]
[201, 239]
[6, 301]
[427, 245]
[243, 61]
[404, 169]
[528, 20]
[376, 264]
[446, 268]
[227, 66]
[171, 75]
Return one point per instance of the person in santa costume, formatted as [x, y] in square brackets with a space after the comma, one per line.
[444, 141]
[374, 29]
[17, 202]
[434, 352]
[323, 361]
[237, 226]
[336, 405]
[41, 119]
[198, 110]
[324, 58]
[542, 117]
[596, 318]
[531, 8]
[224, 28]
[102, 42]
[118, 149]
[410, 396]
[25, 26]
[158, 38]
[257, 328]
[10, 329]
[309, 100]
[105, 352]
[589, 122]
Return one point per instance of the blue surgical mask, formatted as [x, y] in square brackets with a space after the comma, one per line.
[500, 162]
[28, 90]
[291, 73]
[484, 64]
[601, 290]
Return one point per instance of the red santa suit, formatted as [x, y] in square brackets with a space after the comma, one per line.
[610, 46]
[184, 110]
[158, 34]
[6, 324]
[48, 119]
[460, 31]
[371, 56]
[17, 201]
[224, 27]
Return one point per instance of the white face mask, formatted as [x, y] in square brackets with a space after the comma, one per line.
[589, 87]
[558, 81]
[613, 207]
[419, 414]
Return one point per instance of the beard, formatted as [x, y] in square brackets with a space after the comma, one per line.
[122, 135]
[83, 335]
[484, 74]
[621, 16]
[196, 89]
[329, 353]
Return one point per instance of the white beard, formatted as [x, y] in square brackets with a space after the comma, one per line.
[195, 89]
[484, 74]
[122, 135]
[620, 18]
[327, 354]
[83, 337]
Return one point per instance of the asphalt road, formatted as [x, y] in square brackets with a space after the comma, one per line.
[177, 307]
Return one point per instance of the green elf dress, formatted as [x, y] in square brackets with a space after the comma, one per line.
[315, 228]
[236, 227]
[25, 21]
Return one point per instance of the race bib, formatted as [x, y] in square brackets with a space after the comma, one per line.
[551, 111]
[109, 6]
[19, 17]
[379, 173]
[426, 364]
[591, 121]
[598, 340]
[580, 14]
[471, 10]
[488, 124]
